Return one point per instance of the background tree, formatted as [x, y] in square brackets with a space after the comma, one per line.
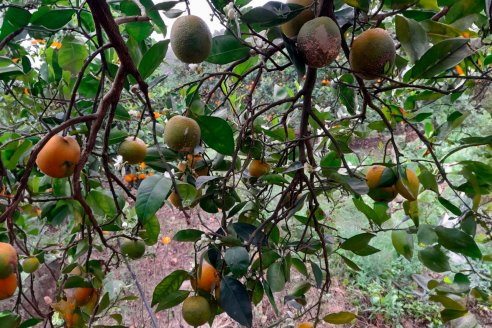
[264, 135]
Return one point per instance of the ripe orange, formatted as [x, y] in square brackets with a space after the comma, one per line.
[8, 260]
[196, 311]
[82, 295]
[133, 150]
[30, 264]
[381, 182]
[408, 186]
[207, 277]
[8, 286]
[59, 156]
[383, 194]
[182, 134]
[305, 325]
[72, 319]
[257, 168]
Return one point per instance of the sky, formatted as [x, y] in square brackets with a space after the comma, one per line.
[202, 9]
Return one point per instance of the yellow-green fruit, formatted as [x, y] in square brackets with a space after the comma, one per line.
[196, 311]
[292, 27]
[319, 41]
[191, 39]
[8, 260]
[134, 249]
[373, 54]
[383, 194]
[30, 264]
[182, 134]
[133, 150]
[409, 188]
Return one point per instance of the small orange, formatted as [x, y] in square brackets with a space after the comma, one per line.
[305, 324]
[82, 295]
[257, 168]
[59, 156]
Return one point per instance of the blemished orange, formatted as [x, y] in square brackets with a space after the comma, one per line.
[206, 278]
[196, 310]
[133, 150]
[8, 260]
[182, 134]
[257, 168]
[8, 286]
[59, 156]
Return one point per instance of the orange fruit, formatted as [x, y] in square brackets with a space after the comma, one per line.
[372, 54]
[81, 295]
[380, 176]
[196, 311]
[30, 264]
[59, 156]
[182, 134]
[191, 39]
[383, 194]
[408, 186]
[305, 325]
[8, 286]
[8, 260]
[319, 41]
[72, 319]
[257, 168]
[206, 277]
[133, 150]
[292, 27]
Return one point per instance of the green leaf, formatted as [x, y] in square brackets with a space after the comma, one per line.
[300, 289]
[153, 58]
[318, 274]
[75, 282]
[154, 15]
[427, 179]
[14, 19]
[300, 266]
[435, 259]
[116, 136]
[412, 36]
[72, 54]
[449, 302]
[276, 277]
[411, 209]
[190, 235]
[449, 314]
[9, 319]
[234, 299]
[217, 134]
[169, 284]
[151, 195]
[449, 206]
[339, 318]
[442, 56]
[271, 14]
[403, 243]
[351, 264]
[226, 49]
[102, 202]
[172, 299]
[357, 242]
[53, 19]
[166, 5]
[458, 241]
[151, 231]
[347, 94]
[426, 235]
[237, 259]
[30, 322]
[274, 179]
[462, 8]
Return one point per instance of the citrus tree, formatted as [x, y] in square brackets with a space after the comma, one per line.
[261, 135]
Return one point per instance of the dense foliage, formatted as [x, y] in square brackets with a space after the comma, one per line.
[281, 146]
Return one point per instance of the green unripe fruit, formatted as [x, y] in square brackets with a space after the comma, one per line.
[30, 264]
[134, 249]
[196, 311]
[133, 150]
[182, 134]
[319, 41]
[191, 39]
[373, 54]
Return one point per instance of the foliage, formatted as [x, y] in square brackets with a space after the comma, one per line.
[92, 70]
